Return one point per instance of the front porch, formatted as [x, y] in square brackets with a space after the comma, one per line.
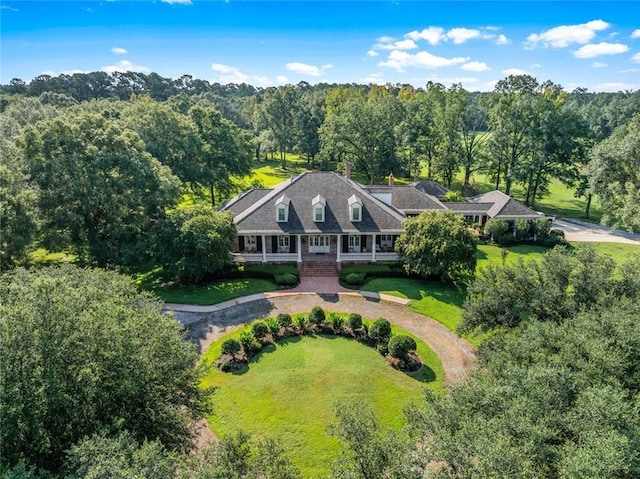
[335, 248]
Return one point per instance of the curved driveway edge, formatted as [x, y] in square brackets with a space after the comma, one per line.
[208, 323]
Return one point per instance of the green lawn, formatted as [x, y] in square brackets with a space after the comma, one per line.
[289, 390]
[213, 293]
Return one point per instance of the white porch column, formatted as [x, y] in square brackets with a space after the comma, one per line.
[264, 249]
[373, 248]
[338, 258]
[299, 247]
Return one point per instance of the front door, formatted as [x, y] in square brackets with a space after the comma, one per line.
[354, 244]
[319, 244]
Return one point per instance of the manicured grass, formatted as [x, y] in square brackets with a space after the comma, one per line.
[289, 391]
[493, 254]
[213, 293]
[619, 252]
[270, 172]
[44, 257]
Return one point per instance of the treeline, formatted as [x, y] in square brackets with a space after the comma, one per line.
[87, 167]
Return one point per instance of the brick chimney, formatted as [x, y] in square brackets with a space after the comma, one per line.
[391, 179]
[347, 171]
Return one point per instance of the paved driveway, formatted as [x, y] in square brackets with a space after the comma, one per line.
[208, 323]
[576, 230]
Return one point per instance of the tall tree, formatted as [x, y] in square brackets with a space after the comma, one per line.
[615, 176]
[226, 151]
[449, 120]
[100, 193]
[474, 137]
[83, 352]
[278, 116]
[510, 107]
[362, 129]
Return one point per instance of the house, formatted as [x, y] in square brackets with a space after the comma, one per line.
[329, 217]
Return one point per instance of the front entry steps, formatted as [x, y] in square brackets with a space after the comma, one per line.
[318, 269]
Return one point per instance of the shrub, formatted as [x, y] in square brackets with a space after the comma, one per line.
[285, 279]
[246, 339]
[354, 321]
[454, 196]
[337, 321]
[557, 232]
[273, 326]
[284, 320]
[259, 329]
[301, 322]
[317, 315]
[541, 228]
[382, 348]
[523, 230]
[400, 345]
[355, 279]
[231, 346]
[380, 330]
[496, 228]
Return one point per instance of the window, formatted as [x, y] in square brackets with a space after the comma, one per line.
[355, 208]
[282, 209]
[319, 204]
[283, 242]
[355, 212]
[354, 241]
[250, 243]
[386, 241]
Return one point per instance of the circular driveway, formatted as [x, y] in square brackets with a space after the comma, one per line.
[208, 323]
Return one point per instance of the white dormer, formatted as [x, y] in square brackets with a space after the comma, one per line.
[355, 208]
[318, 204]
[282, 209]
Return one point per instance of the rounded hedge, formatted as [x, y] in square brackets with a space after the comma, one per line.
[354, 321]
[317, 315]
[286, 279]
[380, 330]
[231, 346]
[400, 345]
[259, 329]
[284, 320]
[355, 279]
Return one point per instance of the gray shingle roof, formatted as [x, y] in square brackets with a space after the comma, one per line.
[261, 215]
[504, 206]
[244, 200]
[432, 188]
[469, 208]
[407, 198]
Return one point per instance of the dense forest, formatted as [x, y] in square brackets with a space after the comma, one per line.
[97, 383]
[74, 147]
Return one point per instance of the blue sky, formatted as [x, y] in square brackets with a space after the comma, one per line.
[577, 44]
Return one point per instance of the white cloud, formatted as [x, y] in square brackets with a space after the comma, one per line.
[630, 70]
[282, 79]
[390, 44]
[304, 69]
[599, 65]
[177, 2]
[401, 60]
[490, 85]
[433, 35]
[502, 40]
[475, 67]
[597, 49]
[613, 87]
[51, 73]
[535, 65]
[119, 51]
[7, 7]
[514, 71]
[230, 74]
[636, 58]
[565, 35]
[125, 66]
[328, 66]
[461, 35]
[636, 33]
[72, 72]
[372, 53]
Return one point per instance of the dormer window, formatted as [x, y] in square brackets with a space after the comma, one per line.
[318, 204]
[355, 208]
[282, 209]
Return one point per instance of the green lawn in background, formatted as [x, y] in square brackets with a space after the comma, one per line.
[212, 293]
[289, 391]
